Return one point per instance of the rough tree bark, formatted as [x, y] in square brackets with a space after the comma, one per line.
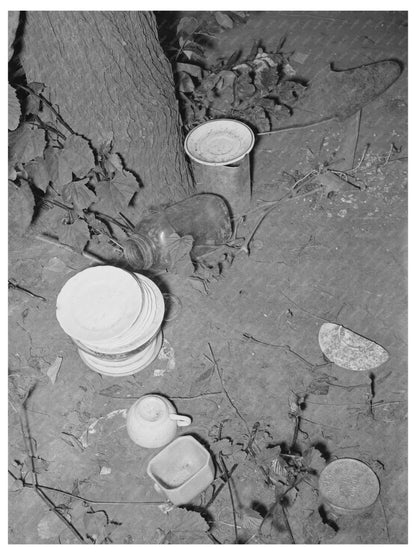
[108, 75]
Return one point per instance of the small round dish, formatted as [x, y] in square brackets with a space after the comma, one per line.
[219, 142]
[135, 364]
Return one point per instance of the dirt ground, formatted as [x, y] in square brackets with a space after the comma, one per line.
[314, 259]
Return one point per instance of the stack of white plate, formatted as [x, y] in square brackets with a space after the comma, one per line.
[114, 318]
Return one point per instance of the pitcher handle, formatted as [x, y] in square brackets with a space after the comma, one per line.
[181, 420]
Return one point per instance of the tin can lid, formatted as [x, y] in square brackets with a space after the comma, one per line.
[349, 484]
[219, 142]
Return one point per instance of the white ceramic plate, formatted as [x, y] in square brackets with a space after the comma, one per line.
[99, 304]
[219, 142]
[144, 328]
[135, 364]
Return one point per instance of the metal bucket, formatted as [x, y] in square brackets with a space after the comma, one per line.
[220, 152]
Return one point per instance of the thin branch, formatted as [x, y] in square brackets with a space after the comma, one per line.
[213, 538]
[287, 348]
[289, 529]
[89, 501]
[13, 285]
[219, 489]
[278, 501]
[24, 426]
[197, 396]
[274, 204]
[43, 99]
[215, 363]
[355, 168]
[231, 497]
[53, 241]
[385, 518]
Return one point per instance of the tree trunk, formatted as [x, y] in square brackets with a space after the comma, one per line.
[108, 76]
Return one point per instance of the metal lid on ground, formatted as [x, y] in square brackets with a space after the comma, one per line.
[219, 142]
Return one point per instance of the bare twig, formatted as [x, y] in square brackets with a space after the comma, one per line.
[221, 458]
[128, 222]
[289, 529]
[215, 363]
[385, 518]
[43, 99]
[320, 424]
[24, 426]
[355, 168]
[270, 208]
[228, 475]
[53, 241]
[279, 501]
[287, 348]
[252, 436]
[295, 411]
[13, 285]
[89, 501]
[213, 538]
[197, 396]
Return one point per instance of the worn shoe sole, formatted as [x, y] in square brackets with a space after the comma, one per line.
[341, 93]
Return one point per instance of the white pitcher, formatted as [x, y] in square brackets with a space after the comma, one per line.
[152, 421]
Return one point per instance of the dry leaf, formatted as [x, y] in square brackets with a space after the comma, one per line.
[54, 368]
[50, 526]
[96, 525]
[224, 20]
[182, 520]
[251, 520]
[38, 172]
[13, 108]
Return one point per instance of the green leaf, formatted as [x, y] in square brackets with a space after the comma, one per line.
[97, 224]
[26, 143]
[314, 459]
[38, 172]
[13, 23]
[111, 200]
[78, 194]
[251, 520]
[185, 83]
[191, 69]
[96, 525]
[223, 446]
[14, 110]
[51, 156]
[113, 162]
[75, 235]
[64, 171]
[187, 26]
[193, 47]
[126, 183]
[236, 17]
[179, 251]
[21, 207]
[182, 520]
[224, 20]
[33, 103]
[78, 155]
